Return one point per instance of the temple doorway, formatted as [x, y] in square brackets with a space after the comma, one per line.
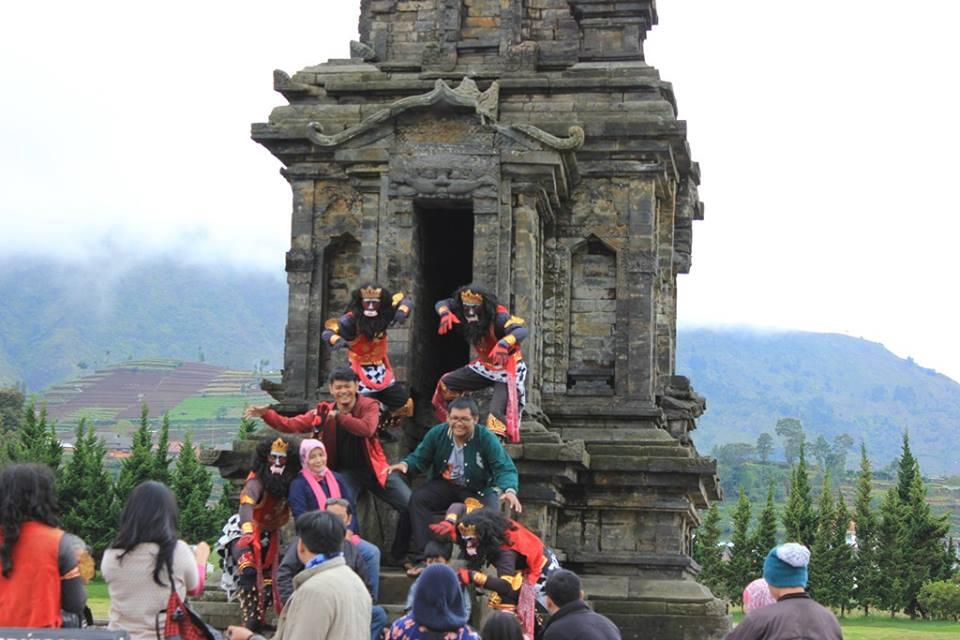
[444, 256]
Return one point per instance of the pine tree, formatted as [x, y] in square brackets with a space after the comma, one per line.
[161, 471]
[36, 440]
[907, 470]
[890, 554]
[140, 466]
[86, 493]
[799, 520]
[707, 553]
[924, 534]
[247, 427]
[739, 569]
[821, 551]
[842, 561]
[765, 536]
[865, 563]
[192, 485]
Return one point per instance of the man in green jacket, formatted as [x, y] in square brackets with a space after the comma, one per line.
[463, 460]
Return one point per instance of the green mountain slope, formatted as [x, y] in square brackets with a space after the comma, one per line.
[834, 384]
[61, 321]
[58, 321]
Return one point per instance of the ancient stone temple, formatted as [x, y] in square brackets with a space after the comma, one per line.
[524, 145]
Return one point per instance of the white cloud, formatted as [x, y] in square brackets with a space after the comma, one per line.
[826, 135]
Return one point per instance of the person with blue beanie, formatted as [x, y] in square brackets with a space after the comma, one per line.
[794, 614]
[438, 612]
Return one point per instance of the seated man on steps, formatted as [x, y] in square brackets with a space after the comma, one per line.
[348, 429]
[464, 461]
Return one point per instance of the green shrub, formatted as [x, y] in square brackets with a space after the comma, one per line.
[941, 599]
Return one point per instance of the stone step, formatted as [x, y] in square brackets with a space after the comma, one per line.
[394, 586]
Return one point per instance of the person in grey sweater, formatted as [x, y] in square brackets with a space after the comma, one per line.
[794, 614]
[329, 600]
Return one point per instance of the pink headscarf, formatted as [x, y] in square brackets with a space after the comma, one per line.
[756, 595]
[308, 445]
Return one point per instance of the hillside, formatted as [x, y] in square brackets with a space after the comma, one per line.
[186, 391]
[60, 320]
[63, 321]
[834, 384]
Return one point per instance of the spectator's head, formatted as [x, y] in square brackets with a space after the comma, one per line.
[462, 416]
[344, 385]
[785, 568]
[149, 515]
[320, 532]
[562, 587]
[313, 456]
[340, 508]
[438, 601]
[756, 595]
[28, 494]
[502, 626]
[438, 552]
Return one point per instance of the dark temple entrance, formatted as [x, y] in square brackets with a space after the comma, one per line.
[444, 254]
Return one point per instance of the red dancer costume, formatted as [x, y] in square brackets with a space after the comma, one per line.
[362, 330]
[495, 334]
[250, 543]
[523, 563]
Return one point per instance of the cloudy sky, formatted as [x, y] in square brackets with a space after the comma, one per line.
[826, 132]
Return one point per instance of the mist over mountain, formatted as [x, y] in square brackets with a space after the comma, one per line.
[60, 320]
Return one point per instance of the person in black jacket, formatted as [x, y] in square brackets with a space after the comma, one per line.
[570, 617]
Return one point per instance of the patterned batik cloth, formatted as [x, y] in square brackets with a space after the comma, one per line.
[230, 577]
[406, 628]
[376, 373]
[500, 375]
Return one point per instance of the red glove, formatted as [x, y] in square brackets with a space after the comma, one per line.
[447, 320]
[464, 575]
[499, 354]
[244, 541]
[444, 531]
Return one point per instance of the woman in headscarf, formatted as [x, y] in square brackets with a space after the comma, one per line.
[316, 482]
[756, 595]
[438, 612]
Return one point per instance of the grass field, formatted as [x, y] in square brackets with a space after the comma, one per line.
[97, 598]
[883, 627]
[215, 407]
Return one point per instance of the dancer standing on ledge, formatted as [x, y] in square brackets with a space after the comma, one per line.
[362, 330]
[495, 334]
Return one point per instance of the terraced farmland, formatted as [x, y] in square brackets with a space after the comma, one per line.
[190, 391]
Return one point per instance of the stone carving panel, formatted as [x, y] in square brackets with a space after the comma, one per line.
[444, 176]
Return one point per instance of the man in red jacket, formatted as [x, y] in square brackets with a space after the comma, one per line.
[348, 428]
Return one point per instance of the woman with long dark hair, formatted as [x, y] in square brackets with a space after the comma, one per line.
[43, 570]
[143, 556]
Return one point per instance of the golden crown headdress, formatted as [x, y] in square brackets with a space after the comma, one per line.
[279, 447]
[471, 297]
[370, 292]
[467, 530]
